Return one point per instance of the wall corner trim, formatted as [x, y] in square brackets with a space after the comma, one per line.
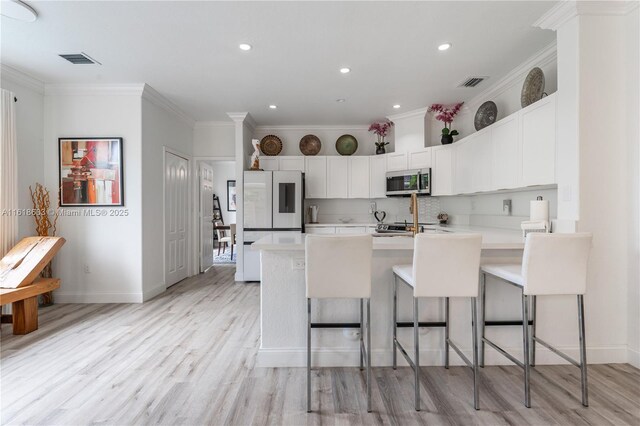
[20, 77]
[243, 117]
[562, 12]
[94, 89]
[153, 96]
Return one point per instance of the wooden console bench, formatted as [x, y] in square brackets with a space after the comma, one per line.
[19, 281]
[24, 303]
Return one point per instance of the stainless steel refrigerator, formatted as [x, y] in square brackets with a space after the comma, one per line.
[273, 202]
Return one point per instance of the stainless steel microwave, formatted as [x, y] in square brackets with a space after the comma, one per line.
[405, 183]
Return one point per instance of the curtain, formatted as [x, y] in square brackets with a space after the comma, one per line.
[8, 173]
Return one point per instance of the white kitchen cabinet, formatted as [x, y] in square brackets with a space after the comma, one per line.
[358, 177]
[337, 177]
[420, 159]
[351, 229]
[269, 163]
[396, 161]
[481, 155]
[442, 170]
[315, 177]
[539, 142]
[320, 230]
[463, 165]
[378, 176]
[505, 164]
[291, 163]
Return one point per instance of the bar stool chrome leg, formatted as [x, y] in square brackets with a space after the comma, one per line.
[395, 321]
[483, 299]
[583, 351]
[533, 330]
[308, 355]
[361, 334]
[446, 333]
[474, 321]
[525, 338]
[416, 341]
[369, 355]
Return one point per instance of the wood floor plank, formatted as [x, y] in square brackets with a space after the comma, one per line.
[187, 357]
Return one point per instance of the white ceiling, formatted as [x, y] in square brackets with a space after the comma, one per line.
[188, 51]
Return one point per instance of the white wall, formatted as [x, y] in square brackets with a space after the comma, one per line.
[222, 172]
[632, 54]
[214, 139]
[291, 135]
[111, 247]
[29, 124]
[160, 128]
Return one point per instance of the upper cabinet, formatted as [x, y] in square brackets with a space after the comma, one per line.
[505, 164]
[442, 170]
[420, 159]
[396, 161]
[292, 163]
[337, 175]
[378, 176]
[269, 163]
[538, 133]
[359, 177]
[315, 177]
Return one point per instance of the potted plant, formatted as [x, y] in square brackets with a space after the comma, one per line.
[446, 115]
[381, 130]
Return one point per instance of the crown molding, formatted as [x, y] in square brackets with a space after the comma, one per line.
[214, 124]
[562, 12]
[541, 59]
[153, 96]
[409, 114]
[243, 117]
[94, 89]
[20, 77]
[312, 127]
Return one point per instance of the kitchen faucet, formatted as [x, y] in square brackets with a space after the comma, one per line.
[413, 208]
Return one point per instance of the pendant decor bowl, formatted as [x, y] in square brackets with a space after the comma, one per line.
[486, 115]
[533, 87]
[271, 145]
[310, 145]
[346, 145]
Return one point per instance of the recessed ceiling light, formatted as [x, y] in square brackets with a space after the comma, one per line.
[396, 106]
[345, 70]
[19, 11]
[273, 106]
[341, 100]
[444, 46]
[244, 46]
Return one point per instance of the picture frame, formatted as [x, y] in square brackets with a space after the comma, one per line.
[231, 195]
[91, 172]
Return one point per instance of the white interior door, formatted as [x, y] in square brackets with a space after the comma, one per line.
[176, 214]
[206, 216]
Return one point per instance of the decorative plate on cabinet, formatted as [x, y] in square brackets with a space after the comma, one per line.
[271, 145]
[533, 87]
[346, 145]
[486, 115]
[310, 145]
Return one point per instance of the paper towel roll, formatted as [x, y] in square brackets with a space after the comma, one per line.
[539, 210]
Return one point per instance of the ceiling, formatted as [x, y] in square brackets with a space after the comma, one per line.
[188, 51]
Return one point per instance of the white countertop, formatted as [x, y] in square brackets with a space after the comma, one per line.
[492, 239]
[320, 225]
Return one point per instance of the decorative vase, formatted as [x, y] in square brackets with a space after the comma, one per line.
[380, 150]
[446, 139]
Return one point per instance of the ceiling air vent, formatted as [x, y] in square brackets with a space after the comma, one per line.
[472, 81]
[79, 58]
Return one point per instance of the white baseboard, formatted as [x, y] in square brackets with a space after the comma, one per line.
[153, 292]
[98, 297]
[348, 357]
[633, 357]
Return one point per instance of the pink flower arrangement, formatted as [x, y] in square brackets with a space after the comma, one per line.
[381, 130]
[446, 115]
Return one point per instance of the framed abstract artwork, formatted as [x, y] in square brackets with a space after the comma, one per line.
[90, 172]
[231, 195]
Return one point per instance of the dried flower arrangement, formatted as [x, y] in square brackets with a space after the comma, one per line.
[446, 115]
[381, 130]
[44, 224]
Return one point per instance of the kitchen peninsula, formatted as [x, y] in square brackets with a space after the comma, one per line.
[283, 305]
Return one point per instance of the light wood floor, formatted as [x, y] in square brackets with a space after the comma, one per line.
[187, 357]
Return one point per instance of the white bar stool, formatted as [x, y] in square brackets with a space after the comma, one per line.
[339, 267]
[552, 264]
[443, 266]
